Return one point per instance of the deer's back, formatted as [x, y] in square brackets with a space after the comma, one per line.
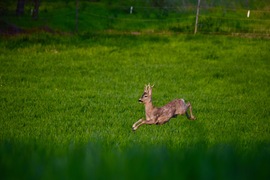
[171, 109]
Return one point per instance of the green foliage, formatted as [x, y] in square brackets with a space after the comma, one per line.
[147, 16]
[91, 161]
[67, 104]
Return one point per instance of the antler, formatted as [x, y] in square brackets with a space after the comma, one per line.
[148, 87]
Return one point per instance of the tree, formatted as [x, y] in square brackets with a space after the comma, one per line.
[36, 4]
[20, 7]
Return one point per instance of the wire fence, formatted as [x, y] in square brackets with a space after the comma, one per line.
[182, 19]
[211, 19]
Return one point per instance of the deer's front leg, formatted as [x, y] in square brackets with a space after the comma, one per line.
[141, 121]
[134, 126]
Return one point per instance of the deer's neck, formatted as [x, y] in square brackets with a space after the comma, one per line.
[149, 108]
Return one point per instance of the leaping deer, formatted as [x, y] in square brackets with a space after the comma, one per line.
[158, 116]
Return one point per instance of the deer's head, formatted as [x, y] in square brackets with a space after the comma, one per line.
[147, 94]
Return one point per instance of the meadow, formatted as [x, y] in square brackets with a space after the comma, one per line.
[68, 103]
[216, 17]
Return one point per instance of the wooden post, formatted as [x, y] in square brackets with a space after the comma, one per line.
[197, 17]
[77, 14]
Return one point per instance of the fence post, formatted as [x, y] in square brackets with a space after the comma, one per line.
[77, 14]
[197, 17]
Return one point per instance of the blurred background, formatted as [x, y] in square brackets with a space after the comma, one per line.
[214, 16]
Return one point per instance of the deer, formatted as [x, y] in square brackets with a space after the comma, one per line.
[161, 115]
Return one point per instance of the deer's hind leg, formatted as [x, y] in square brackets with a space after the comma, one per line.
[191, 117]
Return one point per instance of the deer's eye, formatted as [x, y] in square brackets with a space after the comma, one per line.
[145, 96]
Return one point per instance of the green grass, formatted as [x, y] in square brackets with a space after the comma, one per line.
[67, 105]
[223, 18]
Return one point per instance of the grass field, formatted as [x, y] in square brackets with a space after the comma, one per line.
[222, 17]
[67, 105]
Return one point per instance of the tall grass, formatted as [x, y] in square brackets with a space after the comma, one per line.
[68, 103]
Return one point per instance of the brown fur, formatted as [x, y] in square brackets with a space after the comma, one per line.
[155, 115]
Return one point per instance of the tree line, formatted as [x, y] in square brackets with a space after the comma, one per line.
[35, 9]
